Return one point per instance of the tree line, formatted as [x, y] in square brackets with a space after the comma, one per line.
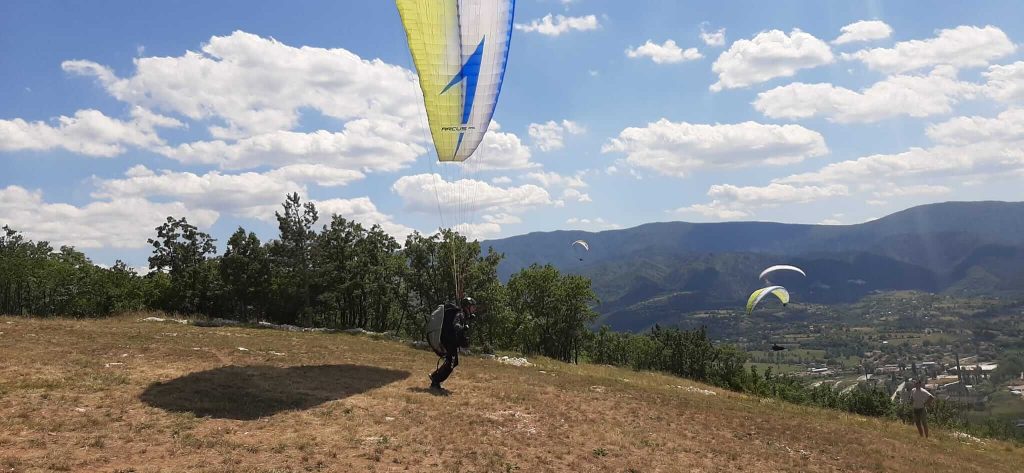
[340, 275]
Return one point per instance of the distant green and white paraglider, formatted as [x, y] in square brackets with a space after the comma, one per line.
[778, 291]
[580, 248]
[780, 267]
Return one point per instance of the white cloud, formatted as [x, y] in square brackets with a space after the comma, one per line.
[478, 230]
[967, 147]
[555, 25]
[550, 136]
[667, 53]
[904, 191]
[731, 202]
[362, 210]
[256, 85]
[830, 221]
[963, 46]
[678, 149]
[867, 30]
[575, 195]
[499, 151]
[715, 39]
[502, 219]
[911, 95]
[248, 194]
[774, 194]
[501, 180]
[89, 132]
[1007, 127]
[320, 174]
[1006, 83]
[554, 180]
[367, 145]
[768, 55]
[714, 210]
[592, 224]
[421, 192]
[117, 223]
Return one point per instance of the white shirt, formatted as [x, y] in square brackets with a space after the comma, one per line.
[920, 396]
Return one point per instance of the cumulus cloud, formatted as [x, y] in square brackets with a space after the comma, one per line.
[320, 174]
[550, 136]
[666, 53]
[574, 195]
[502, 219]
[715, 210]
[556, 25]
[598, 223]
[499, 151]
[256, 85]
[733, 202]
[715, 39]
[678, 149]
[88, 132]
[963, 46]
[1005, 83]
[966, 147]
[909, 95]
[914, 190]
[769, 55]
[774, 194]
[555, 180]
[421, 193]
[115, 223]
[248, 194]
[866, 30]
[1007, 127]
[367, 145]
[362, 210]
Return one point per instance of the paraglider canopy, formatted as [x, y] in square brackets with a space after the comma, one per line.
[781, 267]
[757, 296]
[777, 347]
[460, 48]
[580, 247]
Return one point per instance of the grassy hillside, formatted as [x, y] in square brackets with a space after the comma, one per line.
[124, 395]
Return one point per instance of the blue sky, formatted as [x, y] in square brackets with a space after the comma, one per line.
[114, 115]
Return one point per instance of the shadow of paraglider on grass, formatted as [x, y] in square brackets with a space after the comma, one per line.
[252, 392]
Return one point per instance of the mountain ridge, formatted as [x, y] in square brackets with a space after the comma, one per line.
[972, 248]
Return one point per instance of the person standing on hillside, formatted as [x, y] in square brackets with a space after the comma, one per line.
[920, 399]
[454, 334]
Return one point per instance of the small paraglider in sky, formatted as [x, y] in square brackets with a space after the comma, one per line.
[580, 248]
[757, 296]
[780, 267]
[777, 347]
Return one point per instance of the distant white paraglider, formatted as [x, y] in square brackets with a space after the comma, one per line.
[580, 247]
[781, 267]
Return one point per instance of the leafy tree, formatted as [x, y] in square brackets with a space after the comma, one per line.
[180, 249]
[551, 311]
[245, 271]
[292, 261]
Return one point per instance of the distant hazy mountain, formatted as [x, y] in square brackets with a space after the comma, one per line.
[661, 270]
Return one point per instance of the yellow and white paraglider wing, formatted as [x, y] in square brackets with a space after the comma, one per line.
[781, 267]
[460, 48]
[757, 296]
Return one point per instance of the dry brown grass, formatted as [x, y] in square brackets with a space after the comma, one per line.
[129, 396]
